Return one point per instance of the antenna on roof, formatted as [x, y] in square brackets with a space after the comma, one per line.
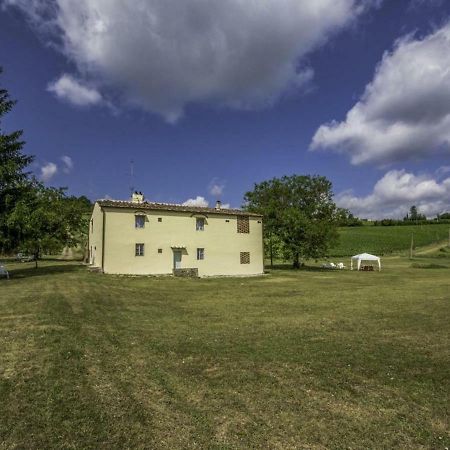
[131, 177]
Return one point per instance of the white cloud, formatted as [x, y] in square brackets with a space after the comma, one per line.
[216, 187]
[164, 54]
[48, 171]
[69, 89]
[197, 201]
[395, 193]
[67, 163]
[226, 206]
[404, 112]
[442, 170]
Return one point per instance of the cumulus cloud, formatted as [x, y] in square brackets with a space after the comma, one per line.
[404, 112]
[73, 91]
[67, 163]
[216, 187]
[396, 192]
[48, 171]
[197, 201]
[164, 54]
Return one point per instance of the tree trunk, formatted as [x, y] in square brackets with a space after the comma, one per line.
[296, 263]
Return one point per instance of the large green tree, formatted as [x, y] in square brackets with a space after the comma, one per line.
[13, 177]
[298, 210]
[46, 221]
[33, 218]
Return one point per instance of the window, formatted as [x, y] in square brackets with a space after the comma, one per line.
[200, 253]
[243, 225]
[200, 224]
[139, 221]
[159, 250]
[245, 257]
[139, 250]
[159, 219]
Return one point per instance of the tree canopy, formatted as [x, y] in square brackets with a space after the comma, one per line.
[414, 215]
[33, 218]
[298, 210]
[46, 221]
[13, 177]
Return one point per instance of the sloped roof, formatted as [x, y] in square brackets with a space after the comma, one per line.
[173, 207]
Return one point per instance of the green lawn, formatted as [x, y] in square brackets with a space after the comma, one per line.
[295, 359]
[384, 240]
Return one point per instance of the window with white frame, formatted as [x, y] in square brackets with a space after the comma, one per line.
[139, 221]
[139, 251]
[200, 253]
[200, 224]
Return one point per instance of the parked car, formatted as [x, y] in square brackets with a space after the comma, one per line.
[23, 257]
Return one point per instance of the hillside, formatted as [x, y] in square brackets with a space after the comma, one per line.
[384, 240]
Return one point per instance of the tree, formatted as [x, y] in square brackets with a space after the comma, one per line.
[265, 199]
[300, 211]
[414, 215]
[46, 221]
[13, 179]
[346, 219]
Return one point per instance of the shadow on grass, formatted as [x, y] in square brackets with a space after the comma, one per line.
[288, 266]
[31, 271]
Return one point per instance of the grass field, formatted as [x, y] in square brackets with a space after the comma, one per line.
[295, 359]
[384, 240]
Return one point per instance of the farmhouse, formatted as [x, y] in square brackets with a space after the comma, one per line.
[143, 238]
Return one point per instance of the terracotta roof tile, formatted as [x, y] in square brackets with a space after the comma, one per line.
[173, 207]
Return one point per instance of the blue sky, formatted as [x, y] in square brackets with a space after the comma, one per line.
[208, 98]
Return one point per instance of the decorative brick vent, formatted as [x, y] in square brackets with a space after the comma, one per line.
[243, 225]
[245, 257]
[188, 273]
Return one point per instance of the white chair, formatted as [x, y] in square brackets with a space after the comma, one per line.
[341, 266]
[4, 272]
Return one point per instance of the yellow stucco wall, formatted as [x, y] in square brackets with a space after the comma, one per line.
[220, 240]
[95, 236]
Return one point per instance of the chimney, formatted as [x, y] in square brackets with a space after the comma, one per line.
[218, 204]
[137, 197]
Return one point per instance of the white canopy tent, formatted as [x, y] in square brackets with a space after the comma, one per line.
[364, 257]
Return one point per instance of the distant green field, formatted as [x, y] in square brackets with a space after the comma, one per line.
[384, 240]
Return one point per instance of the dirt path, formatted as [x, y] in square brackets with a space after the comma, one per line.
[431, 248]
